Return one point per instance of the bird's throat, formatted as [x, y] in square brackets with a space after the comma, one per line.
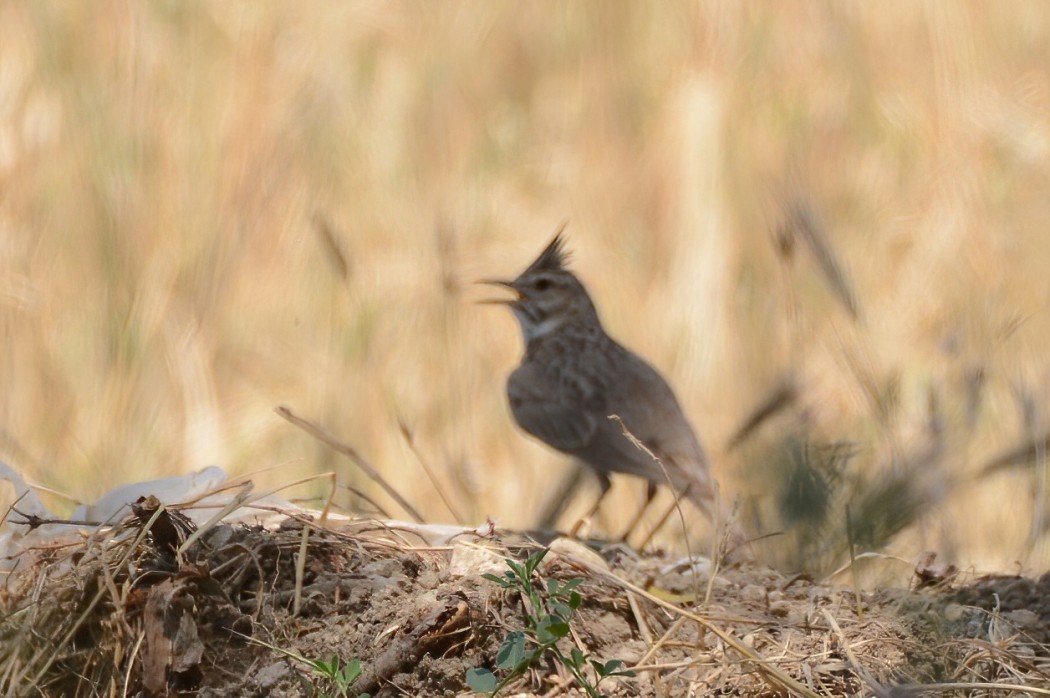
[532, 329]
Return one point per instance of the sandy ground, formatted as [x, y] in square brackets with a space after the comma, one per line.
[235, 614]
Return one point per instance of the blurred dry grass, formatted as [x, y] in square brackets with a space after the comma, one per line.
[209, 209]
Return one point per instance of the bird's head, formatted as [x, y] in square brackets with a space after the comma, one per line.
[547, 295]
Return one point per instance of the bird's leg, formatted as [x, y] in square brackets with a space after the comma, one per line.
[605, 483]
[664, 517]
[650, 493]
[566, 488]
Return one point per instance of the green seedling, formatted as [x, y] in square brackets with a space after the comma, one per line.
[339, 677]
[549, 612]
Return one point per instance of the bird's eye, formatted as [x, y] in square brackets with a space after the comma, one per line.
[543, 284]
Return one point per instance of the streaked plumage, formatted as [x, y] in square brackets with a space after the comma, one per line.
[573, 376]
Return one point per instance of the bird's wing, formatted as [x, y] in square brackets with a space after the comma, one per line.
[558, 416]
[655, 417]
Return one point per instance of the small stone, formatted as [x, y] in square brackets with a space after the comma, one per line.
[270, 674]
[954, 612]
[1022, 618]
[753, 592]
[470, 559]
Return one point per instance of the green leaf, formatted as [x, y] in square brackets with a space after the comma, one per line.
[328, 670]
[351, 672]
[550, 629]
[575, 600]
[577, 657]
[318, 666]
[572, 584]
[502, 581]
[535, 559]
[512, 652]
[564, 590]
[518, 570]
[562, 610]
[612, 668]
[481, 680]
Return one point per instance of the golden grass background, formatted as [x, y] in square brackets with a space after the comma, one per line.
[167, 170]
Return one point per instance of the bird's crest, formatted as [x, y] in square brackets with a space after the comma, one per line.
[554, 257]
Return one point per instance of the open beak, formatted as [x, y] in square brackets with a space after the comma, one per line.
[504, 284]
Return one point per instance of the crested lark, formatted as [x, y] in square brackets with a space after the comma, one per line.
[574, 376]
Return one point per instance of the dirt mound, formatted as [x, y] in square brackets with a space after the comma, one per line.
[154, 607]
